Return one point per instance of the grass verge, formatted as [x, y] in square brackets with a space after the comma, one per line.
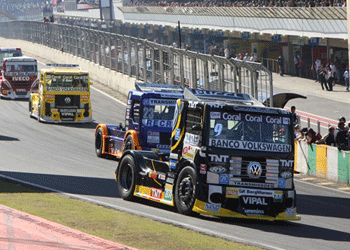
[110, 224]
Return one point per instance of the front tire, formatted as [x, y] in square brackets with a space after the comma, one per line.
[126, 178]
[129, 143]
[186, 190]
[30, 108]
[99, 143]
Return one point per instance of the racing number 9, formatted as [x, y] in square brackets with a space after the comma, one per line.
[148, 113]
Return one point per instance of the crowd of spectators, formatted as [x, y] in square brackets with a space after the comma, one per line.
[242, 3]
[336, 136]
[19, 9]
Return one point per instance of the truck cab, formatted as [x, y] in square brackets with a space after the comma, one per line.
[230, 156]
[148, 122]
[64, 95]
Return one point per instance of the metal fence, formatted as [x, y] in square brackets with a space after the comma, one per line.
[147, 61]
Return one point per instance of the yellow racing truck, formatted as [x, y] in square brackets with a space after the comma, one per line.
[64, 95]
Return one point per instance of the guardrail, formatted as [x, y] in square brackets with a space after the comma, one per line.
[147, 61]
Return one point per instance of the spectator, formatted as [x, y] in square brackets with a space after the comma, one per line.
[346, 78]
[323, 79]
[329, 138]
[297, 132]
[295, 117]
[280, 61]
[318, 68]
[341, 137]
[313, 136]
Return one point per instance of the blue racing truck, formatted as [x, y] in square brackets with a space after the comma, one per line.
[148, 122]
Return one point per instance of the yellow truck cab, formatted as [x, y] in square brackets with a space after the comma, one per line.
[64, 95]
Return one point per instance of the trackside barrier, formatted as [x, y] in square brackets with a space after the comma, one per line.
[322, 161]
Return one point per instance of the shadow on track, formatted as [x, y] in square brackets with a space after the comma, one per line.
[102, 187]
[8, 138]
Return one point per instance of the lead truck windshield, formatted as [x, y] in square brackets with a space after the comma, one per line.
[61, 82]
[244, 131]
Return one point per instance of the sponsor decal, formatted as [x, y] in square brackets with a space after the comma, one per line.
[67, 114]
[173, 156]
[278, 196]
[189, 152]
[20, 78]
[251, 184]
[232, 117]
[170, 180]
[145, 102]
[161, 146]
[191, 139]
[152, 137]
[167, 102]
[254, 200]
[215, 115]
[281, 182]
[252, 211]
[213, 191]
[168, 192]
[254, 170]
[156, 193]
[172, 164]
[161, 177]
[212, 178]
[218, 169]
[50, 96]
[66, 89]
[203, 169]
[84, 97]
[286, 120]
[224, 179]
[287, 163]
[212, 207]
[290, 212]
[247, 145]
[218, 158]
[231, 192]
[255, 192]
[286, 175]
[177, 134]
[152, 175]
[157, 123]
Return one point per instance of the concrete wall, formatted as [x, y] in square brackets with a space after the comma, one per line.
[115, 80]
[322, 161]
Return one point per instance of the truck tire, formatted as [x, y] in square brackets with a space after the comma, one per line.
[39, 113]
[186, 190]
[129, 143]
[126, 178]
[99, 143]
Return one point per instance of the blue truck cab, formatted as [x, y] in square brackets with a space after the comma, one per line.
[148, 122]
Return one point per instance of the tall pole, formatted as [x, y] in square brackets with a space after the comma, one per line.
[179, 28]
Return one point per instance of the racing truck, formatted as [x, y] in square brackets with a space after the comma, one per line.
[230, 156]
[19, 77]
[64, 95]
[148, 122]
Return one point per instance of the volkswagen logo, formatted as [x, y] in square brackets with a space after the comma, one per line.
[254, 170]
[67, 100]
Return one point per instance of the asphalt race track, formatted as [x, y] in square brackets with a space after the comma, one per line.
[62, 157]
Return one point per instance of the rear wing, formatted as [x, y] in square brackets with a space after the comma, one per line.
[154, 87]
[210, 95]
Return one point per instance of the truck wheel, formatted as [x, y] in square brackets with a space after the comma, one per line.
[126, 179]
[99, 143]
[129, 143]
[186, 190]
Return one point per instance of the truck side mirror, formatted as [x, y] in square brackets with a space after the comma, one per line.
[196, 127]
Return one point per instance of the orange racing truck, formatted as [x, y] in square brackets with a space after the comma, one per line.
[19, 77]
[230, 156]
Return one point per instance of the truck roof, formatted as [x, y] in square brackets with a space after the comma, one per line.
[63, 69]
[227, 98]
[157, 90]
[20, 59]
[10, 49]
